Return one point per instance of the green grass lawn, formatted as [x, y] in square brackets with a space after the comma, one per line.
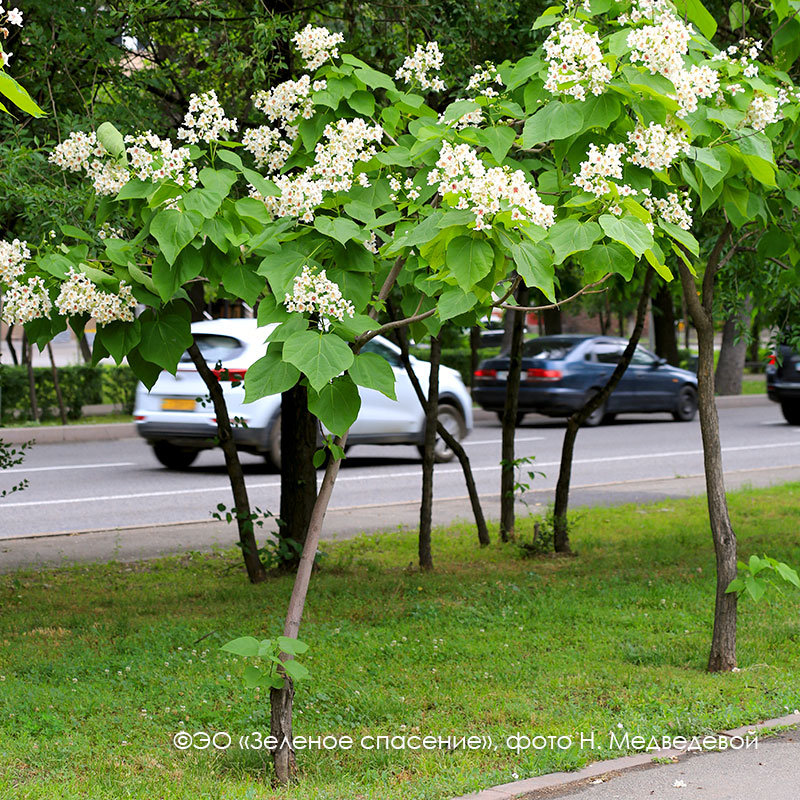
[100, 666]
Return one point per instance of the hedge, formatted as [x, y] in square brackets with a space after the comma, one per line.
[81, 385]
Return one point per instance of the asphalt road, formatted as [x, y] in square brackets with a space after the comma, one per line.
[92, 486]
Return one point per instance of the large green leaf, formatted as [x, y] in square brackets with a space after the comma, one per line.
[340, 228]
[680, 235]
[630, 231]
[712, 164]
[241, 279]
[246, 646]
[336, 404]
[469, 260]
[556, 120]
[319, 356]
[604, 258]
[174, 229]
[269, 375]
[571, 236]
[165, 335]
[373, 372]
[455, 302]
[696, 12]
[534, 264]
[146, 371]
[498, 140]
[111, 139]
[280, 269]
[601, 110]
[168, 278]
[119, 338]
[18, 95]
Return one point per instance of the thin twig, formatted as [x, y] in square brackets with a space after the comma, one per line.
[585, 290]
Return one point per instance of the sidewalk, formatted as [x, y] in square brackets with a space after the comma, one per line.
[771, 769]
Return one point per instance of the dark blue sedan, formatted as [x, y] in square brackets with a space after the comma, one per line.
[560, 373]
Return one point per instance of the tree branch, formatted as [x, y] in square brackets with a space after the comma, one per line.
[585, 290]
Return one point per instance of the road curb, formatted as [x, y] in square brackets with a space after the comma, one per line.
[51, 434]
[558, 780]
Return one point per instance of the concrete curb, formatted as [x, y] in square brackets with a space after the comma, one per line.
[559, 780]
[49, 434]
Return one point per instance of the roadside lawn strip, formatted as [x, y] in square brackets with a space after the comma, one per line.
[100, 666]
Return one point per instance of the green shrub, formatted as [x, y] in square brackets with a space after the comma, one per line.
[81, 385]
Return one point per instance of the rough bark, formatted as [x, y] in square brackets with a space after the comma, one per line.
[244, 522]
[451, 442]
[62, 411]
[283, 757]
[722, 656]
[560, 527]
[664, 325]
[431, 416]
[732, 354]
[507, 495]
[298, 475]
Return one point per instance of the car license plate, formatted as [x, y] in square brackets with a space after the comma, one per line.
[178, 404]
[502, 375]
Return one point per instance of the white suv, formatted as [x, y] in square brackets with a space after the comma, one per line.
[177, 419]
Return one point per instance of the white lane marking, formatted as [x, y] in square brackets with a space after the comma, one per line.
[390, 475]
[70, 466]
[468, 443]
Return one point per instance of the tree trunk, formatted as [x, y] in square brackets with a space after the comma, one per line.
[560, 525]
[27, 357]
[298, 475]
[62, 411]
[507, 494]
[281, 699]
[450, 441]
[11, 347]
[732, 354]
[86, 351]
[431, 417]
[754, 348]
[723, 642]
[244, 518]
[664, 325]
[552, 321]
[474, 355]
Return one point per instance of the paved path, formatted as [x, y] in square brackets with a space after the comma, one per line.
[769, 771]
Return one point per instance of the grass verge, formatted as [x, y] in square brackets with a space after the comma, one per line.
[101, 665]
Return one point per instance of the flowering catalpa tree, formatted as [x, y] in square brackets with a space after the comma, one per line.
[598, 148]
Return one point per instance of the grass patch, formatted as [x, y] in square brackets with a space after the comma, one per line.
[101, 665]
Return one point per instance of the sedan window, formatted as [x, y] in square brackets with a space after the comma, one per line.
[609, 353]
[548, 348]
[643, 358]
[216, 347]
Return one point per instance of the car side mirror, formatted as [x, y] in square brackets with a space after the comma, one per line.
[659, 362]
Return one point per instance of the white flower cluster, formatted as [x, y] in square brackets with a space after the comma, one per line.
[483, 78]
[600, 165]
[110, 232]
[12, 17]
[644, 9]
[426, 58]
[285, 104]
[575, 61]
[347, 143]
[317, 45]
[677, 208]
[407, 185]
[24, 302]
[487, 192]
[313, 293]
[660, 48]
[656, 146]
[205, 121]
[149, 157]
[79, 295]
[13, 256]
[762, 111]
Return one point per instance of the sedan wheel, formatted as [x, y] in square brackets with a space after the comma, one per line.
[791, 412]
[453, 422]
[596, 417]
[686, 405]
[174, 457]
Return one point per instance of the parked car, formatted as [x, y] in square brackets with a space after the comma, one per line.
[177, 419]
[783, 383]
[560, 373]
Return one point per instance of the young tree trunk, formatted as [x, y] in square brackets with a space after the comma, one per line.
[723, 641]
[474, 355]
[283, 757]
[298, 474]
[552, 321]
[732, 354]
[431, 417]
[244, 520]
[664, 325]
[450, 441]
[560, 526]
[57, 384]
[11, 347]
[86, 351]
[754, 348]
[27, 357]
[507, 495]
